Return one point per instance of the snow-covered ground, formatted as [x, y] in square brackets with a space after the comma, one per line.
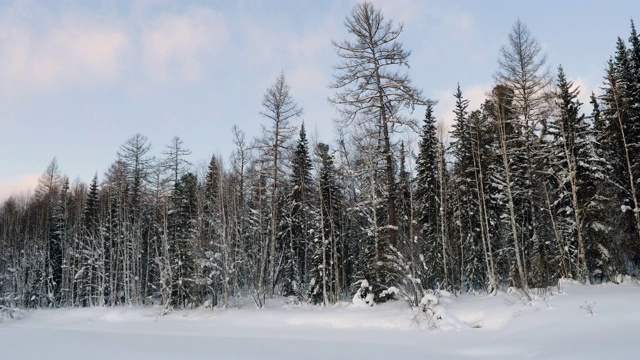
[505, 326]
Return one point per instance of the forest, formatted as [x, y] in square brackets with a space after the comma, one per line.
[530, 188]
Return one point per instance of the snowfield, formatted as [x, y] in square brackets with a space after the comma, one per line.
[559, 325]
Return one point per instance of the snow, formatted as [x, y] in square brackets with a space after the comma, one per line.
[556, 324]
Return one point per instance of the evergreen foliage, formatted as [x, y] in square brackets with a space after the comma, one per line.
[530, 190]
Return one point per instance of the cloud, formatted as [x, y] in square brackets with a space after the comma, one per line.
[404, 11]
[308, 78]
[586, 86]
[44, 50]
[460, 23]
[309, 46]
[25, 183]
[183, 45]
[68, 49]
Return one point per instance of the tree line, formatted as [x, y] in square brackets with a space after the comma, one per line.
[530, 189]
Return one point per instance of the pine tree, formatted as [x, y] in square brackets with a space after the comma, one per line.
[182, 244]
[620, 144]
[603, 249]
[325, 284]
[466, 211]
[297, 254]
[572, 153]
[92, 206]
[431, 270]
[210, 273]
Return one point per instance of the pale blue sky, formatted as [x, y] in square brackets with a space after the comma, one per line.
[78, 78]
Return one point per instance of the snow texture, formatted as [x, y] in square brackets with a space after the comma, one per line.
[569, 321]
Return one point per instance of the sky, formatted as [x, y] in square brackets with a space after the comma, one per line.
[79, 78]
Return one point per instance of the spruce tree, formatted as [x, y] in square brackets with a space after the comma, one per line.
[325, 284]
[297, 255]
[572, 153]
[603, 247]
[182, 243]
[431, 270]
[466, 203]
[620, 142]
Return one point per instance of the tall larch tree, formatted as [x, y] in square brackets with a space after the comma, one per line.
[371, 88]
[280, 110]
[522, 69]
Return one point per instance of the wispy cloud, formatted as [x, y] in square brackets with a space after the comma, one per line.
[404, 11]
[183, 45]
[67, 49]
[460, 23]
[71, 47]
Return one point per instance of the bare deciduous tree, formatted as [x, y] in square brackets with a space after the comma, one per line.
[279, 109]
[370, 88]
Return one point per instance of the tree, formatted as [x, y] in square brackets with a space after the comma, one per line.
[48, 194]
[325, 284]
[134, 154]
[571, 138]
[502, 96]
[427, 204]
[182, 239]
[621, 140]
[92, 206]
[523, 72]
[603, 250]
[89, 249]
[468, 193]
[174, 159]
[482, 138]
[212, 272]
[370, 88]
[279, 110]
[298, 218]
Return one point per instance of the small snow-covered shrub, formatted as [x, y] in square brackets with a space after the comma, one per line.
[390, 294]
[292, 301]
[9, 314]
[588, 307]
[517, 296]
[364, 295]
[429, 311]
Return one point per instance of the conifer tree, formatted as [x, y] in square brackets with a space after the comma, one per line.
[466, 209]
[431, 270]
[182, 239]
[297, 255]
[325, 284]
[620, 123]
[571, 156]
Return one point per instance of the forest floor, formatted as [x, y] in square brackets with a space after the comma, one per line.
[570, 321]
